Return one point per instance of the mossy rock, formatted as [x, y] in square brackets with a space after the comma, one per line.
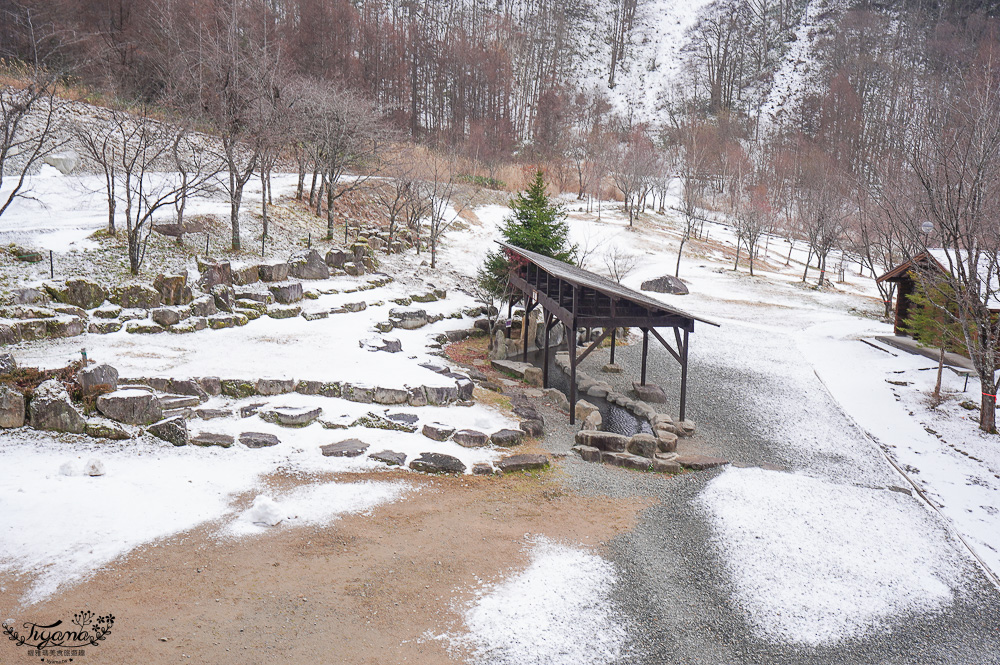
[238, 389]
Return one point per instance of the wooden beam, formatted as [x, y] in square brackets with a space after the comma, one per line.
[645, 351]
[666, 321]
[669, 348]
[595, 343]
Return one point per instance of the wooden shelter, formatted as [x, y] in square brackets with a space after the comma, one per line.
[938, 260]
[578, 299]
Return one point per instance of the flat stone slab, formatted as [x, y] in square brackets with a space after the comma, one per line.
[523, 463]
[404, 418]
[346, 448]
[210, 439]
[470, 438]
[437, 463]
[649, 393]
[258, 440]
[627, 461]
[531, 427]
[511, 367]
[438, 431]
[168, 402]
[211, 414]
[482, 469]
[291, 416]
[389, 457]
[700, 462]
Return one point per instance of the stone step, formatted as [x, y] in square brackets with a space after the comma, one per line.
[171, 402]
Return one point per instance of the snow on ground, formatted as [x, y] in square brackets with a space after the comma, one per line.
[816, 562]
[953, 463]
[558, 610]
[57, 529]
[322, 350]
[59, 212]
[313, 504]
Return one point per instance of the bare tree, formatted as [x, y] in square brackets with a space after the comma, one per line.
[619, 263]
[394, 193]
[235, 77]
[445, 203]
[143, 149]
[28, 123]
[346, 136]
[634, 163]
[99, 142]
[753, 221]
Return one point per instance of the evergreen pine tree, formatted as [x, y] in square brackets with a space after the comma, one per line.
[536, 224]
[932, 324]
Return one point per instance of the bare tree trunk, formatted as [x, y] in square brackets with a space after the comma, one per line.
[680, 250]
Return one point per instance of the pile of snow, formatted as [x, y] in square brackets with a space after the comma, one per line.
[264, 512]
[814, 562]
[559, 610]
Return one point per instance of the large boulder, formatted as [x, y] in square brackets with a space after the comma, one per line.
[286, 293]
[214, 273]
[643, 445]
[51, 409]
[204, 306]
[666, 284]
[507, 437]
[65, 326]
[336, 258]
[133, 406]
[408, 318]
[225, 297]
[173, 289]
[172, 430]
[7, 364]
[64, 162]
[98, 379]
[141, 296]
[438, 431]
[79, 291]
[11, 407]
[308, 264]
[273, 272]
[258, 440]
[30, 296]
[607, 441]
[470, 438]
[245, 275]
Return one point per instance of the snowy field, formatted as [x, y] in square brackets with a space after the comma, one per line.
[911, 563]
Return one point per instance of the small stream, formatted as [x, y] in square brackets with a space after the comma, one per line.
[616, 419]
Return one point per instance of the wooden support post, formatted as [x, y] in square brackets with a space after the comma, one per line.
[572, 363]
[572, 377]
[529, 306]
[684, 375]
[645, 350]
[613, 331]
[545, 354]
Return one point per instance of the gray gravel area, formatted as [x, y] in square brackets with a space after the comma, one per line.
[770, 411]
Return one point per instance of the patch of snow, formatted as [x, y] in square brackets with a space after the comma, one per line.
[815, 562]
[558, 610]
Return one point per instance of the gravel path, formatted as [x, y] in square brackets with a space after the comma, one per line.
[757, 403]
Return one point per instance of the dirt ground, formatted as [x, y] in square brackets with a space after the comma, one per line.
[367, 588]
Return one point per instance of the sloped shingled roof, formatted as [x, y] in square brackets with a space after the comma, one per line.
[587, 279]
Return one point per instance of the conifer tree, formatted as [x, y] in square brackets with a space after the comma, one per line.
[537, 224]
[933, 324]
